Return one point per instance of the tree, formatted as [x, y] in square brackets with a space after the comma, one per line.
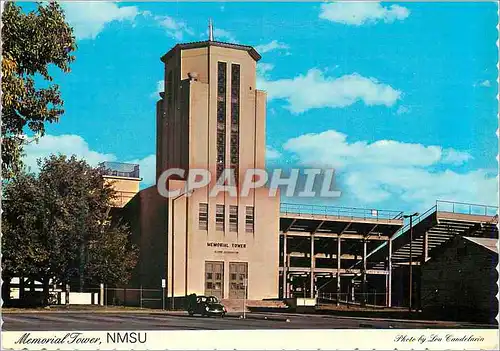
[31, 43]
[57, 226]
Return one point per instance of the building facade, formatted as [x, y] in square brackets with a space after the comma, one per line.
[460, 282]
[211, 117]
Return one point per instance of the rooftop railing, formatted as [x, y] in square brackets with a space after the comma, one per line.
[333, 211]
[453, 207]
[120, 169]
[466, 208]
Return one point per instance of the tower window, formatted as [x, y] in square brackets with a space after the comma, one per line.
[221, 117]
[169, 88]
[233, 218]
[235, 119]
[203, 216]
[249, 219]
[219, 217]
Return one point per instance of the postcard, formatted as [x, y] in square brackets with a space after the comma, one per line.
[249, 175]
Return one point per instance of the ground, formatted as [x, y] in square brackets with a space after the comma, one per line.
[153, 320]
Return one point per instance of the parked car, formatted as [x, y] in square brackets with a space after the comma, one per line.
[206, 306]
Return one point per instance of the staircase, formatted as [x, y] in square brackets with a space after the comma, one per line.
[236, 305]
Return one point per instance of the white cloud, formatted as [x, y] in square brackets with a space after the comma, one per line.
[70, 144]
[147, 169]
[223, 35]
[272, 153]
[393, 170]
[455, 157]
[66, 144]
[263, 68]
[403, 110]
[273, 45]
[160, 87]
[174, 28]
[359, 13]
[220, 35]
[422, 187]
[485, 83]
[332, 148]
[88, 18]
[314, 90]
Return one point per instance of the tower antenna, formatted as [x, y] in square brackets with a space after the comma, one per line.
[210, 30]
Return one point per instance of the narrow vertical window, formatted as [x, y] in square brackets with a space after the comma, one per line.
[249, 219]
[219, 217]
[221, 117]
[235, 120]
[170, 87]
[203, 216]
[233, 218]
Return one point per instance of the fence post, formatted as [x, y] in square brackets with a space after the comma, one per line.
[140, 296]
[101, 294]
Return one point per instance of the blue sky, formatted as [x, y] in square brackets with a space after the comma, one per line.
[398, 98]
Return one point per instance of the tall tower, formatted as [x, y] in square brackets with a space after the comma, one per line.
[211, 116]
[210, 109]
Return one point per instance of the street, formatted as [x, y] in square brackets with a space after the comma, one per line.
[178, 321]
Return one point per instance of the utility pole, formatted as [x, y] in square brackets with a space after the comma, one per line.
[411, 259]
[245, 298]
[163, 285]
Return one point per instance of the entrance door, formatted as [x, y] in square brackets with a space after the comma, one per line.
[214, 279]
[238, 273]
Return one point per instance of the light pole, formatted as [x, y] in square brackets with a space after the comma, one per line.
[411, 256]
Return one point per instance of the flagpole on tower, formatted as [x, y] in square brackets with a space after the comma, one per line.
[210, 30]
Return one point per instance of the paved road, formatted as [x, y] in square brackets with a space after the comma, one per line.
[155, 321]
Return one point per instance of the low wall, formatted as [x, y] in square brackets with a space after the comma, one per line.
[78, 298]
[300, 304]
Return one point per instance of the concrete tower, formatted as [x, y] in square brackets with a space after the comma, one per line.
[210, 116]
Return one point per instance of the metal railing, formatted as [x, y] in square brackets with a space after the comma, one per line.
[129, 297]
[333, 211]
[446, 206]
[466, 208]
[417, 220]
[120, 169]
[453, 207]
[371, 297]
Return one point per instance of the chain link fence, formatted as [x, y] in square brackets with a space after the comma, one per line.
[130, 297]
[371, 298]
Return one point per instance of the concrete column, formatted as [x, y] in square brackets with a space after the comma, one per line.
[285, 266]
[425, 253]
[101, 294]
[339, 253]
[363, 276]
[313, 264]
[424, 258]
[389, 276]
[289, 277]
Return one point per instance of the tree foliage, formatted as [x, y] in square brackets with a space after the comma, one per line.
[57, 225]
[31, 43]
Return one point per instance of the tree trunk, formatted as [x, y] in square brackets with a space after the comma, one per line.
[82, 267]
[45, 282]
[22, 295]
[6, 290]
[66, 294]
